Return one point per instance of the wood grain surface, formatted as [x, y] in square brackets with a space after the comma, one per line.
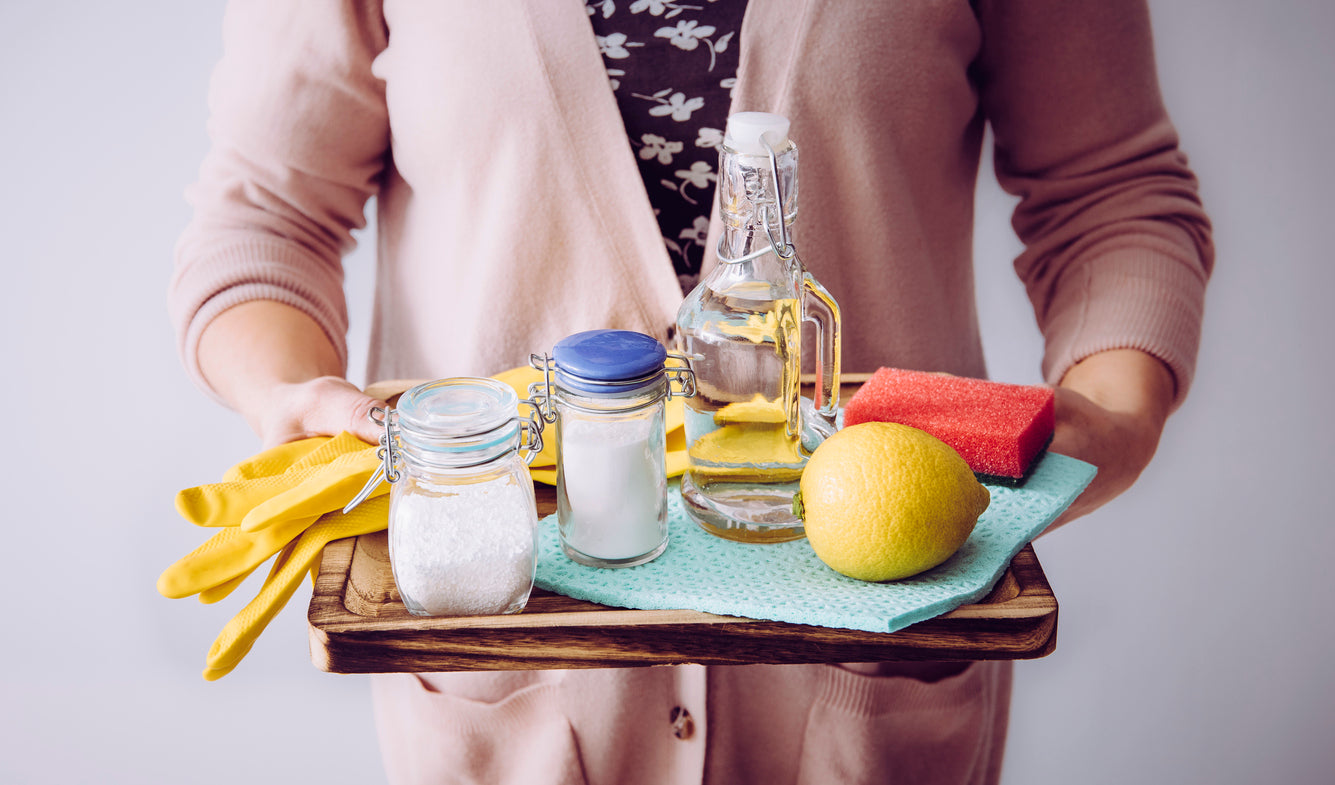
[358, 624]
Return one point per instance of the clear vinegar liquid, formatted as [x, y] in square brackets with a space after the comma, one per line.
[742, 426]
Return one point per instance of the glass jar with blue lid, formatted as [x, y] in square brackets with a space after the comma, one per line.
[462, 518]
[605, 391]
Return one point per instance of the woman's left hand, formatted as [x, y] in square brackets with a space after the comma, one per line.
[1110, 411]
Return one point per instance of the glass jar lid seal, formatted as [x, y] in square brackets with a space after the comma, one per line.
[608, 361]
[460, 409]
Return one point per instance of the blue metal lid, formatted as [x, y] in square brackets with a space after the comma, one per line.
[608, 361]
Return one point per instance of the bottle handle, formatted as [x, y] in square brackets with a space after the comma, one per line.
[819, 308]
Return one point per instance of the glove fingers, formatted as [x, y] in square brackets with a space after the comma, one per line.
[274, 460]
[239, 635]
[329, 488]
[229, 553]
[332, 449]
[177, 581]
[223, 590]
[227, 503]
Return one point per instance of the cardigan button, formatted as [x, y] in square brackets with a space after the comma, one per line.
[683, 727]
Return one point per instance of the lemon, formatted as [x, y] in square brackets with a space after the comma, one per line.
[883, 501]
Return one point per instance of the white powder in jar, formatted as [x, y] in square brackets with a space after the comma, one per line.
[614, 487]
[464, 550]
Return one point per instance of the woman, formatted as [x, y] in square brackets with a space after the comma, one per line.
[501, 142]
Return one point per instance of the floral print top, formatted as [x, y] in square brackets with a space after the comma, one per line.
[672, 66]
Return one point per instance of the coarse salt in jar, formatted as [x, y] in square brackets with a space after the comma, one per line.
[462, 517]
[605, 391]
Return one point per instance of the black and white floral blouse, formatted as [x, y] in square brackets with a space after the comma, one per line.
[672, 66]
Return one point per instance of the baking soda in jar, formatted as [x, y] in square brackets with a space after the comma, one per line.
[612, 487]
[605, 390]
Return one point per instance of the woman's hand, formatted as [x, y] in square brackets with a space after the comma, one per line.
[275, 365]
[323, 406]
[1110, 411]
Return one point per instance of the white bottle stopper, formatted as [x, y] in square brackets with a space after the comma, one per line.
[745, 130]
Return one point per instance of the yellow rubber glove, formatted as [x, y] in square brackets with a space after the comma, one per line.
[296, 560]
[275, 460]
[263, 492]
[279, 492]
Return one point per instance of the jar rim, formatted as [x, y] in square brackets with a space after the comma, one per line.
[461, 407]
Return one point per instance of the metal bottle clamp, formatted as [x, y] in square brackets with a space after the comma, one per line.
[783, 247]
[530, 440]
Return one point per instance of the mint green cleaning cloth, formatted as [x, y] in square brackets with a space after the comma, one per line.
[787, 582]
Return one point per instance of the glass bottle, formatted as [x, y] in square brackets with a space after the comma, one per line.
[463, 524]
[605, 391]
[741, 328]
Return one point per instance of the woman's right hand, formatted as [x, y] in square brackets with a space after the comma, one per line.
[323, 406]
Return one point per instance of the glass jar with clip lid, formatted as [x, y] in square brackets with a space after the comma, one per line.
[605, 391]
[462, 518]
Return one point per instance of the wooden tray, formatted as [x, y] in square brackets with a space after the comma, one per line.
[358, 624]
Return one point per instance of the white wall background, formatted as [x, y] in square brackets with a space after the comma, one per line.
[1196, 635]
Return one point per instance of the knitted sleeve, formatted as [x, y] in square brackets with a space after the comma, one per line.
[1118, 247]
[299, 138]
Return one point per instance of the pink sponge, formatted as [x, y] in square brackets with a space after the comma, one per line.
[999, 429]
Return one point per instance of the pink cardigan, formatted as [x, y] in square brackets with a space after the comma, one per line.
[511, 214]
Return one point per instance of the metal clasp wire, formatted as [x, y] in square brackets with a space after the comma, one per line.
[530, 429]
[544, 399]
[684, 376]
[540, 393]
[388, 453]
[783, 247]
